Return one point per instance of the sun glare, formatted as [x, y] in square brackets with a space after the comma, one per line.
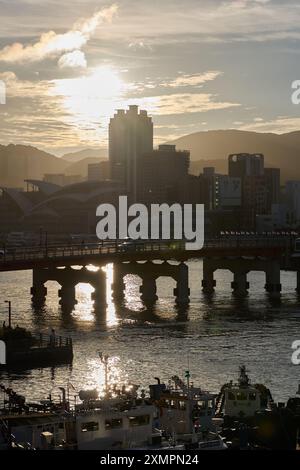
[89, 101]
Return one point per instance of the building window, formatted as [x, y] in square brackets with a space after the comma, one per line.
[252, 396]
[202, 404]
[139, 420]
[113, 423]
[241, 396]
[89, 426]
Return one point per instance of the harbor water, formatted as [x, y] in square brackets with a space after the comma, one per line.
[211, 338]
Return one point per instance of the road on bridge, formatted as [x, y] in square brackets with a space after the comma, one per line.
[109, 252]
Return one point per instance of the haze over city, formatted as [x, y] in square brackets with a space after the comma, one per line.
[194, 65]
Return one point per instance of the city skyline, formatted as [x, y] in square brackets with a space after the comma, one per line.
[218, 65]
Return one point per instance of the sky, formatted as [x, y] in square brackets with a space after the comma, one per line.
[195, 65]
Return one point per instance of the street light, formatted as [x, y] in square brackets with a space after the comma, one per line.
[9, 312]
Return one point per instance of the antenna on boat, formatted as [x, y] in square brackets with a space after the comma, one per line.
[104, 360]
[189, 403]
[187, 372]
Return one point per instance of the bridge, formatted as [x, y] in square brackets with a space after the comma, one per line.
[151, 260]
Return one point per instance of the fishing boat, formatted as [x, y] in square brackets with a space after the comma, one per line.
[242, 399]
[121, 420]
[187, 412]
[251, 417]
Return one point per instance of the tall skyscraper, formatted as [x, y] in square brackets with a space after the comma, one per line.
[272, 177]
[246, 164]
[130, 137]
[250, 169]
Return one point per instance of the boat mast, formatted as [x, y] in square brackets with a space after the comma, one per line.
[104, 360]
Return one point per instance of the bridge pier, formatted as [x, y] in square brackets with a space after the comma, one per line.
[38, 293]
[118, 288]
[67, 295]
[182, 291]
[99, 284]
[148, 289]
[68, 278]
[240, 285]
[208, 282]
[298, 283]
[149, 272]
[99, 298]
[118, 285]
[273, 285]
[38, 290]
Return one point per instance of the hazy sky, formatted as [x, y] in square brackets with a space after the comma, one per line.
[194, 64]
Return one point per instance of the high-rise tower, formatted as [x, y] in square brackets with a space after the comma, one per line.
[130, 137]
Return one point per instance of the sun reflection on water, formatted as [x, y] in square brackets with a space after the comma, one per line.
[84, 310]
[111, 317]
[84, 307]
[96, 376]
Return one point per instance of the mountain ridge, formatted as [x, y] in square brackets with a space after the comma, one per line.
[208, 148]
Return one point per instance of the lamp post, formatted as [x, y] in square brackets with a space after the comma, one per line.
[9, 312]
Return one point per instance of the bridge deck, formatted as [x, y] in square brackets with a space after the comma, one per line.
[68, 255]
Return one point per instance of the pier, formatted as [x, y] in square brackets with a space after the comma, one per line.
[25, 350]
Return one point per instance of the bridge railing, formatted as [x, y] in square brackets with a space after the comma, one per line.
[108, 247]
[63, 251]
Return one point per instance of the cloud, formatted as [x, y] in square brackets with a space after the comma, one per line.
[208, 21]
[182, 103]
[51, 44]
[192, 80]
[32, 116]
[139, 44]
[75, 59]
[25, 89]
[196, 80]
[279, 125]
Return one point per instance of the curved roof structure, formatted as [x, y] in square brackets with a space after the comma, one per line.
[44, 186]
[78, 193]
[19, 198]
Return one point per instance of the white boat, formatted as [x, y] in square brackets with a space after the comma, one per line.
[242, 399]
[124, 422]
[188, 413]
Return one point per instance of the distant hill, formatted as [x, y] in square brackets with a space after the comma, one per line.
[81, 167]
[74, 157]
[212, 148]
[19, 162]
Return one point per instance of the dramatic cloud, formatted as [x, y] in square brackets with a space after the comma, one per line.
[194, 65]
[51, 44]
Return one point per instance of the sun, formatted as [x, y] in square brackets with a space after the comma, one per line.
[89, 101]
